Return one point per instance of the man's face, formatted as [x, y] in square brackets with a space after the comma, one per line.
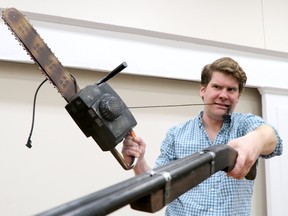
[221, 91]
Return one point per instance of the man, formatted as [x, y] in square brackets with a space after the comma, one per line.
[222, 83]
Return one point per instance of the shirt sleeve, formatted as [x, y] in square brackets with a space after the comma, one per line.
[167, 152]
[279, 147]
[252, 122]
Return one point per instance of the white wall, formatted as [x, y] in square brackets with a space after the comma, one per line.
[257, 23]
[151, 55]
[275, 110]
[96, 39]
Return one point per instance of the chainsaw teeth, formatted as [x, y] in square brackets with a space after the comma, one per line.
[28, 53]
[40, 53]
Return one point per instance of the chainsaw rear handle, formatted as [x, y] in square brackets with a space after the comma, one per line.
[120, 158]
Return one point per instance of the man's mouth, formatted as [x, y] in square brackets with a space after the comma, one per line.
[223, 105]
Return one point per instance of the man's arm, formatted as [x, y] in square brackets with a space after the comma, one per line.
[261, 141]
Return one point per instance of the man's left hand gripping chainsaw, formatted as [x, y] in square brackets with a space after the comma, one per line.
[97, 109]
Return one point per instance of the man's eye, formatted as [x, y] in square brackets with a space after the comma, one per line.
[231, 89]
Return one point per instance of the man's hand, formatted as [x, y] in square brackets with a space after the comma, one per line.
[261, 141]
[135, 147]
[247, 156]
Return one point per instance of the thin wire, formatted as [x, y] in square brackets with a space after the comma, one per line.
[171, 105]
[28, 144]
[75, 83]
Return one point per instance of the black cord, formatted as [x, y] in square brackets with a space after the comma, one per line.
[28, 144]
[75, 83]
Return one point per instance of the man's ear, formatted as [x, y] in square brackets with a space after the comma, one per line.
[202, 91]
[238, 98]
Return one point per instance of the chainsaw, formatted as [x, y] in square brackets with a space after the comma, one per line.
[97, 109]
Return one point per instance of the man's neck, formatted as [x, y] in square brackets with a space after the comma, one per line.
[212, 124]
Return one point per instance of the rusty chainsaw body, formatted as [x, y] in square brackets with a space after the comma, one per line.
[97, 109]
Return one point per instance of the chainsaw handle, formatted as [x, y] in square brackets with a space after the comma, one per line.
[119, 157]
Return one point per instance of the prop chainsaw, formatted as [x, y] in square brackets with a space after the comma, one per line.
[97, 109]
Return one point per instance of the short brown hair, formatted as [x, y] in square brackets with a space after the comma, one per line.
[224, 65]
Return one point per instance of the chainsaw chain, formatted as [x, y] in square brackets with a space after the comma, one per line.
[40, 53]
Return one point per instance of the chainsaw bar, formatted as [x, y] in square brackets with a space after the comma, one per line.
[40, 53]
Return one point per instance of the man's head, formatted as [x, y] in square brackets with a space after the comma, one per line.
[227, 66]
[221, 85]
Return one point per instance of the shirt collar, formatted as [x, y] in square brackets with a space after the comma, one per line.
[200, 121]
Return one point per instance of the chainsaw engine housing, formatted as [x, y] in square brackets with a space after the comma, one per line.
[100, 113]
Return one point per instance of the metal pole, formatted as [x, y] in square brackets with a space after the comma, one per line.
[163, 184]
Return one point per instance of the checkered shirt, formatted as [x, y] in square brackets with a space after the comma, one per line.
[218, 195]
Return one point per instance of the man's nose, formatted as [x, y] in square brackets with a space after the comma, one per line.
[223, 95]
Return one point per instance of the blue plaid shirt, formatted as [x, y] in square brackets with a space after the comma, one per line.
[218, 195]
